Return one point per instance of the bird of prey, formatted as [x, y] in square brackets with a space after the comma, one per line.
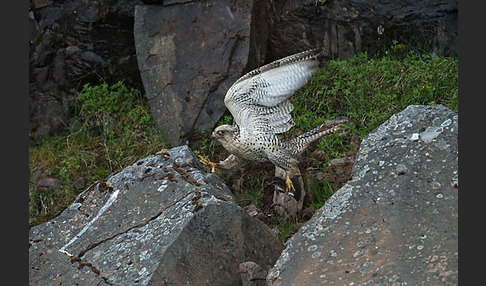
[259, 104]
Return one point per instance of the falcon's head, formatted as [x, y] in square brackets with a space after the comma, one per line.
[224, 134]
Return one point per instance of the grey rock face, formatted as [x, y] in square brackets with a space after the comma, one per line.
[189, 54]
[160, 220]
[73, 42]
[346, 27]
[396, 221]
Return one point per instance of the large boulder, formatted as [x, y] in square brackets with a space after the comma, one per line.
[74, 42]
[160, 221]
[190, 53]
[344, 28]
[396, 221]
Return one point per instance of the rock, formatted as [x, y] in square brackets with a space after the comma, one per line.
[73, 42]
[396, 221]
[42, 3]
[79, 184]
[160, 221]
[288, 204]
[37, 174]
[48, 184]
[344, 28]
[190, 54]
[252, 274]
[153, 2]
[251, 210]
[338, 172]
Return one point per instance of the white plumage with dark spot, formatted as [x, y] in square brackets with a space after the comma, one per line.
[259, 103]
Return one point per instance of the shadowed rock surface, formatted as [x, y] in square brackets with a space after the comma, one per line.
[347, 27]
[73, 42]
[190, 53]
[396, 221]
[160, 220]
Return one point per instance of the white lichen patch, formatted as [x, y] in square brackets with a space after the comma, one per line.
[414, 137]
[430, 134]
[108, 204]
[163, 185]
[144, 255]
[140, 243]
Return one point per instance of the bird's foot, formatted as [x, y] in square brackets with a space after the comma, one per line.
[206, 162]
[290, 185]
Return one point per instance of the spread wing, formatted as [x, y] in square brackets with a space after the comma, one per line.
[259, 101]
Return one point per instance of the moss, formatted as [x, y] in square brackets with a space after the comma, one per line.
[33, 44]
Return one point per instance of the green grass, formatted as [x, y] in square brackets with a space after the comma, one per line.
[369, 91]
[321, 192]
[112, 129]
[254, 195]
[113, 126]
[286, 227]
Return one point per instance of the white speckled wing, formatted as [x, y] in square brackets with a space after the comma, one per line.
[258, 100]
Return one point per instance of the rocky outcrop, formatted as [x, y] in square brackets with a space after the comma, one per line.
[160, 221]
[396, 221]
[73, 42]
[190, 53]
[188, 63]
[344, 28]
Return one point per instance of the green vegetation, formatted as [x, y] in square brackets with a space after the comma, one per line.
[369, 91]
[254, 195]
[112, 129]
[321, 191]
[286, 227]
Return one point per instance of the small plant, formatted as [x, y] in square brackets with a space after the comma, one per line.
[321, 192]
[334, 145]
[286, 227]
[68, 166]
[254, 195]
[103, 104]
[227, 119]
[205, 146]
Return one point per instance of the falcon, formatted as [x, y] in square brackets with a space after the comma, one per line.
[260, 106]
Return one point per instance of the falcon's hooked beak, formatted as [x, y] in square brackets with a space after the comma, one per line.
[214, 136]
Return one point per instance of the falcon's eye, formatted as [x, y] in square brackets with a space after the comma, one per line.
[221, 132]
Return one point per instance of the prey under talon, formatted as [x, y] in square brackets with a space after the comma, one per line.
[207, 162]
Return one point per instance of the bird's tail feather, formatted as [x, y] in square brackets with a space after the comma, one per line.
[300, 143]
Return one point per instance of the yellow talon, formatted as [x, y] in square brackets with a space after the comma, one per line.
[290, 186]
[207, 162]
